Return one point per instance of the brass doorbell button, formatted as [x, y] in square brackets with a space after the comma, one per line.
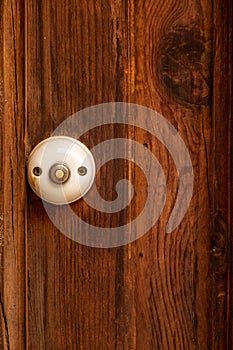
[59, 173]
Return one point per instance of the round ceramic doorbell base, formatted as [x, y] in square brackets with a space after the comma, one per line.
[61, 170]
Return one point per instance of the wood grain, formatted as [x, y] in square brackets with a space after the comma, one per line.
[162, 291]
[149, 297]
[180, 259]
[230, 178]
[222, 167]
[13, 189]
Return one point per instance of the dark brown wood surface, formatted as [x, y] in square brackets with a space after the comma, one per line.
[162, 291]
[13, 189]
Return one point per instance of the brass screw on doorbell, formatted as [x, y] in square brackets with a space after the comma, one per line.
[61, 170]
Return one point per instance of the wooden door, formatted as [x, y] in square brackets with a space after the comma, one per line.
[162, 291]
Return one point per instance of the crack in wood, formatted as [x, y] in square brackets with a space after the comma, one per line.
[5, 332]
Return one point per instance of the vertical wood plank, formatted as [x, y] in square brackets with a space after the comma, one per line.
[230, 217]
[79, 297]
[3, 333]
[13, 201]
[222, 172]
[173, 76]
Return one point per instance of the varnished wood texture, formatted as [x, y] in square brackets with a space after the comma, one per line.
[161, 292]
